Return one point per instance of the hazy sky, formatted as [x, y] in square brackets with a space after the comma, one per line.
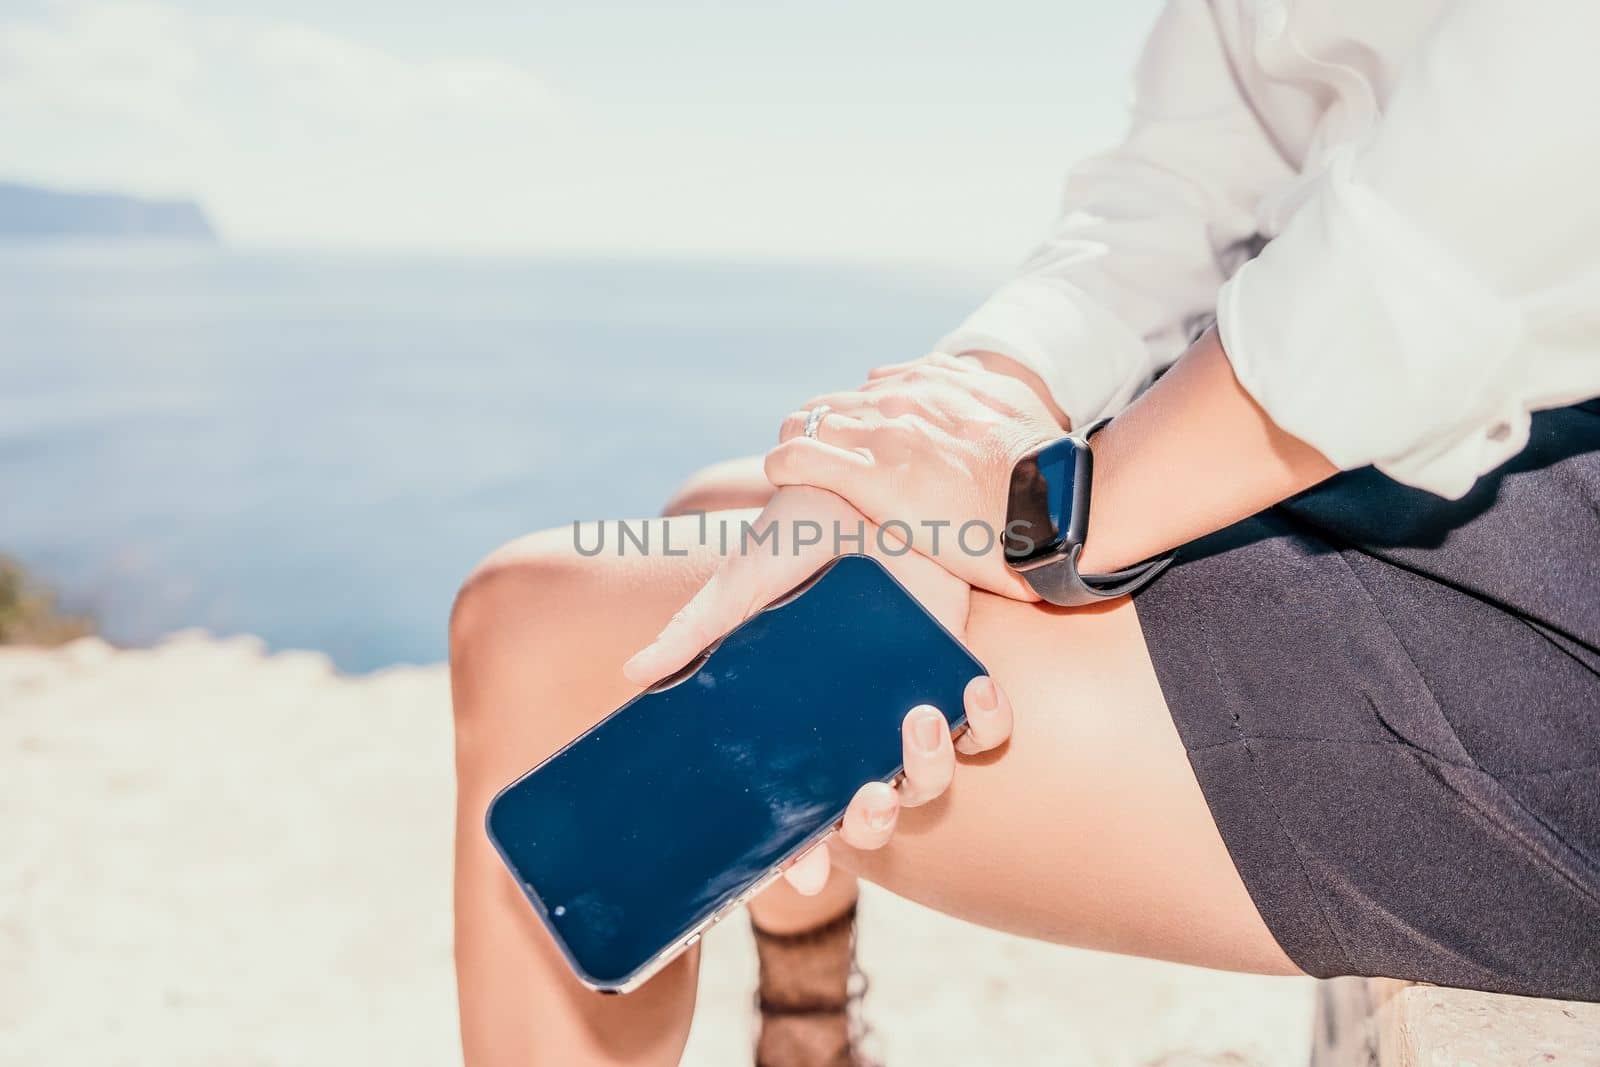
[875, 129]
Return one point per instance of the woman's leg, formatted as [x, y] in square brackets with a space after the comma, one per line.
[532, 664]
[733, 483]
[1088, 828]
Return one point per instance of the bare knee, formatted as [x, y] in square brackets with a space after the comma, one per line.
[507, 616]
[732, 483]
[541, 627]
[509, 587]
[540, 631]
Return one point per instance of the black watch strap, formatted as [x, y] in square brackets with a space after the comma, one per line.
[1060, 583]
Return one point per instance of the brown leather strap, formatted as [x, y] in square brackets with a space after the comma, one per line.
[793, 960]
[820, 932]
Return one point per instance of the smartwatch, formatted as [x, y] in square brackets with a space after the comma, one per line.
[1047, 519]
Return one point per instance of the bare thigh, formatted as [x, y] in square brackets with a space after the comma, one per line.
[1087, 829]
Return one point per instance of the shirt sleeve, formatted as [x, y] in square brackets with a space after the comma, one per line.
[1440, 280]
[1136, 255]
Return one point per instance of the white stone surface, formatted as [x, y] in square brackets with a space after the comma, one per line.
[1383, 1022]
[212, 856]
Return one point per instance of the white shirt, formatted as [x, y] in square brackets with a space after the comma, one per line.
[1428, 174]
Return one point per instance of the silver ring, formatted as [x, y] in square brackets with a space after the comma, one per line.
[814, 419]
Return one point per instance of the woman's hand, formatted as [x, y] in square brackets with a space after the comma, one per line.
[802, 527]
[925, 449]
[746, 581]
[990, 361]
[930, 762]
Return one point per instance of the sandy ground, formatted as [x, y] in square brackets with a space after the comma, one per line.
[214, 856]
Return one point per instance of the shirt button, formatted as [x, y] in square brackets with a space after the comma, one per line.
[1499, 431]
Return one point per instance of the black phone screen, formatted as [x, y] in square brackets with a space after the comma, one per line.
[682, 799]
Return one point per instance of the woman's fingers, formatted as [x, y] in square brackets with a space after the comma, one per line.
[708, 615]
[988, 717]
[809, 873]
[889, 370]
[937, 359]
[837, 425]
[849, 401]
[934, 369]
[866, 412]
[870, 819]
[782, 547]
[930, 758]
[687, 633]
[930, 763]
[803, 461]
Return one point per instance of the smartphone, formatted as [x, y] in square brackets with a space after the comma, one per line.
[687, 800]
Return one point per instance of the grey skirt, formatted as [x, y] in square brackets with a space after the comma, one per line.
[1392, 705]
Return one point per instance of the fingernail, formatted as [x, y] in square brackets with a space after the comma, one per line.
[984, 696]
[879, 818]
[925, 731]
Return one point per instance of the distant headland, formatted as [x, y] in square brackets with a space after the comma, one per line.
[31, 213]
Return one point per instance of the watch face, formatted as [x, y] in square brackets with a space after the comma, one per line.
[1042, 515]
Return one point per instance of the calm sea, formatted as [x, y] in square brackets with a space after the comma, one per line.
[316, 449]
